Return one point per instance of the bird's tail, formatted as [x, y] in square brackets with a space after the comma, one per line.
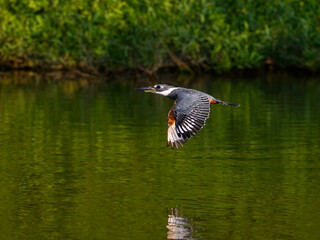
[216, 101]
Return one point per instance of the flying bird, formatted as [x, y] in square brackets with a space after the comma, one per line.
[189, 113]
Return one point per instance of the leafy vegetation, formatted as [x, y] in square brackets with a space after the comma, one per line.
[149, 34]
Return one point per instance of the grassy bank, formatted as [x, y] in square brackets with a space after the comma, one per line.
[104, 35]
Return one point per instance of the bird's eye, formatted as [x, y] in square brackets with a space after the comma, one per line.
[157, 86]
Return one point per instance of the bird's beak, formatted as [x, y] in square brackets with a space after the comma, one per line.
[146, 89]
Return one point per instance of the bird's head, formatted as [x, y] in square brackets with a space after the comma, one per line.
[162, 89]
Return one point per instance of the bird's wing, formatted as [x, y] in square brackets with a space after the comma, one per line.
[186, 118]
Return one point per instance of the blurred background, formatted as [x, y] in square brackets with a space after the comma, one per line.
[100, 35]
[84, 156]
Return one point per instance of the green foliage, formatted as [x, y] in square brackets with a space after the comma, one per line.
[220, 34]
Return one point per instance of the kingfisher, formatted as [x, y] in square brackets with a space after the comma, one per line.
[189, 113]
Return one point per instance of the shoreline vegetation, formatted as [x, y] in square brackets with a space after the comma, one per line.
[99, 37]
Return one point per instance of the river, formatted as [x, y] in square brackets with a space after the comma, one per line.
[87, 159]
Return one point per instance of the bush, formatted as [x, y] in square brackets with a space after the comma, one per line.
[219, 35]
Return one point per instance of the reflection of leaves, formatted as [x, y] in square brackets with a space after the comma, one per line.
[69, 87]
[99, 157]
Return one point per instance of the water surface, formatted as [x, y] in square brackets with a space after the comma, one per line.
[86, 159]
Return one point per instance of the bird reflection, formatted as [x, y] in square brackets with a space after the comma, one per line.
[179, 227]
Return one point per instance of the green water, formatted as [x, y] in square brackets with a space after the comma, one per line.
[88, 160]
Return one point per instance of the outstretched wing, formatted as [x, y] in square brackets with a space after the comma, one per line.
[186, 118]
